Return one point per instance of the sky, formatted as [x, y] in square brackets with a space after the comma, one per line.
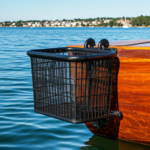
[14, 10]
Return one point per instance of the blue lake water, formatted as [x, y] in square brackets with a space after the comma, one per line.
[20, 126]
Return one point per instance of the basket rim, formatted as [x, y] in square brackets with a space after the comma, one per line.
[50, 53]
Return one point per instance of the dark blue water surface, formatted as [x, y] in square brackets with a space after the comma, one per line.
[20, 126]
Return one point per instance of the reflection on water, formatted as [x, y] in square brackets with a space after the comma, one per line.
[101, 143]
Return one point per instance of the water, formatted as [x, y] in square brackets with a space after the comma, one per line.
[20, 127]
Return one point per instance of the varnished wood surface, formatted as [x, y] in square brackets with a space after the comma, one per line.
[130, 93]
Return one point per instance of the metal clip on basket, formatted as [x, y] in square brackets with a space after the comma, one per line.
[72, 84]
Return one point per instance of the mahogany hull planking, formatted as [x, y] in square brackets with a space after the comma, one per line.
[130, 93]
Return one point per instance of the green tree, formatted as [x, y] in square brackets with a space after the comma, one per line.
[110, 23]
[141, 20]
[77, 24]
[83, 25]
[19, 23]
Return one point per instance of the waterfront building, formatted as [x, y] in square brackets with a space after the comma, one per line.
[107, 20]
[47, 25]
[29, 24]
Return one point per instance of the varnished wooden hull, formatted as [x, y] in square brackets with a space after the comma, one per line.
[130, 94]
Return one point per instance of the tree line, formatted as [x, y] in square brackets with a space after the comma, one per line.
[135, 21]
[141, 21]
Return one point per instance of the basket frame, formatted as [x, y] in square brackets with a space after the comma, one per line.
[51, 54]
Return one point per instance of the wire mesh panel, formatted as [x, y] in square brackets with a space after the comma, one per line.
[75, 91]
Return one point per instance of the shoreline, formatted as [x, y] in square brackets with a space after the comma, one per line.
[73, 27]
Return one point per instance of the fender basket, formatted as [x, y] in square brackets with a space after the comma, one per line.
[72, 84]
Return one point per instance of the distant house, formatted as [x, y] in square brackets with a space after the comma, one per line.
[107, 21]
[24, 25]
[52, 23]
[98, 22]
[73, 24]
[46, 22]
[85, 23]
[57, 23]
[38, 24]
[128, 21]
[94, 22]
[33, 25]
[13, 24]
[29, 24]
[47, 25]
[122, 21]
[63, 23]
[68, 24]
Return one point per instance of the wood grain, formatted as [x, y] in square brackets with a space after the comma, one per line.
[130, 93]
[134, 67]
[138, 78]
[137, 53]
[132, 97]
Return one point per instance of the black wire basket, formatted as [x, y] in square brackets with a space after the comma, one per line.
[72, 84]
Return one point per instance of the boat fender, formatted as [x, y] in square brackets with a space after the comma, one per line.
[90, 42]
[103, 42]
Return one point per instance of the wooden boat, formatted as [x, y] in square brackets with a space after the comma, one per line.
[130, 93]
